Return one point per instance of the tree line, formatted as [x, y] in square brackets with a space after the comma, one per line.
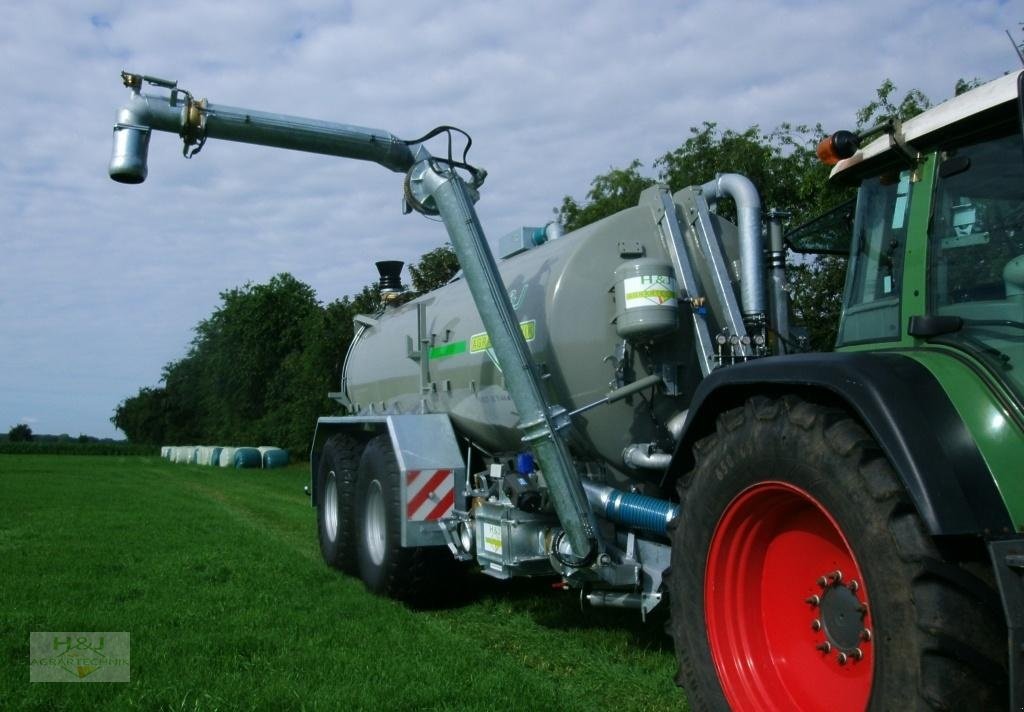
[259, 368]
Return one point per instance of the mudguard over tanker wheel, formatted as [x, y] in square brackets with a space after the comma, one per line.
[801, 578]
[412, 574]
[336, 480]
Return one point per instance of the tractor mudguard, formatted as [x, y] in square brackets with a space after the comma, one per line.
[899, 402]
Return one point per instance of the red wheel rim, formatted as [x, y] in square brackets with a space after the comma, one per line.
[786, 606]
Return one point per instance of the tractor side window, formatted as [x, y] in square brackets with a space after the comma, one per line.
[976, 246]
[977, 229]
[872, 311]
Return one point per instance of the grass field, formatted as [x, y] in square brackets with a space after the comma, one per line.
[217, 576]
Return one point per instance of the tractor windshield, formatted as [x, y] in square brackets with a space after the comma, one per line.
[976, 242]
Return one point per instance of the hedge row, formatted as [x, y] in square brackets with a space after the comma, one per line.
[75, 448]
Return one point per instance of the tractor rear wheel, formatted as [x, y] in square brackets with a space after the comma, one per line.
[802, 579]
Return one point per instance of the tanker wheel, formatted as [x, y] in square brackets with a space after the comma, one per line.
[802, 579]
[336, 481]
[411, 574]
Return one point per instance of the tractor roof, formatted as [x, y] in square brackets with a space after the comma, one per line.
[950, 112]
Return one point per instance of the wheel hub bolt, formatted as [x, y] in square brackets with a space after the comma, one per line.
[833, 578]
[816, 625]
[824, 647]
[853, 585]
[841, 658]
[857, 654]
[813, 600]
[865, 635]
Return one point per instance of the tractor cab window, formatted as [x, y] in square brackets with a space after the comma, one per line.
[872, 311]
[976, 245]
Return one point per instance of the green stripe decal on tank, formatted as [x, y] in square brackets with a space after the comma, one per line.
[452, 349]
[482, 342]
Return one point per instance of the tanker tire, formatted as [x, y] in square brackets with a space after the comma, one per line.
[336, 482]
[938, 639]
[412, 575]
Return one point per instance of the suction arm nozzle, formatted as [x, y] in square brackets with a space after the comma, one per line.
[196, 120]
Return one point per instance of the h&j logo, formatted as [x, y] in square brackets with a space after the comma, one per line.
[79, 657]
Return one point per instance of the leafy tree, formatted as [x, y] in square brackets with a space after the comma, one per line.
[816, 298]
[883, 107]
[609, 193]
[781, 163]
[20, 433]
[435, 269]
[259, 368]
[964, 85]
[144, 417]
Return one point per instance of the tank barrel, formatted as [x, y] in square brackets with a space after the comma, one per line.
[196, 120]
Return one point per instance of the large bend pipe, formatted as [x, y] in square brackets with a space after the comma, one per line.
[144, 112]
[748, 213]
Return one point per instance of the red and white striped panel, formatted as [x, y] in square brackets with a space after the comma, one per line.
[429, 494]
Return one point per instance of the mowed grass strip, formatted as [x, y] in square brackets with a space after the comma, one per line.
[217, 576]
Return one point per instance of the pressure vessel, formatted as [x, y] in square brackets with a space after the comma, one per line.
[563, 293]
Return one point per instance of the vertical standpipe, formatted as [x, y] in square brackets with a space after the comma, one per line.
[748, 214]
[779, 297]
[521, 378]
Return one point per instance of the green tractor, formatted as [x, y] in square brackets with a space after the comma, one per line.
[854, 519]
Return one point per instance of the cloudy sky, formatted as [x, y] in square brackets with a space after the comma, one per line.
[101, 283]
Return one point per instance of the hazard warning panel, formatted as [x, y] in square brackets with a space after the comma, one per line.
[429, 494]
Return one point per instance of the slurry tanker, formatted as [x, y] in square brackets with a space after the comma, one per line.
[613, 407]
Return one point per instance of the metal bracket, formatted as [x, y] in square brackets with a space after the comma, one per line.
[664, 208]
[1007, 562]
[721, 290]
[908, 151]
[421, 352]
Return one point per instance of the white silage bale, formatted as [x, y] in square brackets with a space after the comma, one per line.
[227, 457]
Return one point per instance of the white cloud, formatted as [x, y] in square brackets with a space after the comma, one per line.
[101, 283]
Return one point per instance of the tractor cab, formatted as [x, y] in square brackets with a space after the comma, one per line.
[937, 248]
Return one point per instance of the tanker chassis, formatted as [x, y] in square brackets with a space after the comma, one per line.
[614, 407]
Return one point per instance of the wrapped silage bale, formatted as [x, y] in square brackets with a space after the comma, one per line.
[227, 457]
[180, 457]
[273, 456]
[214, 457]
[191, 453]
[165, 452]
[247, 457]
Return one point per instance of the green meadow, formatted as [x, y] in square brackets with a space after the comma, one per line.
[216, 575]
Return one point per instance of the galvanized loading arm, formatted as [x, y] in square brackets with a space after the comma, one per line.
[433, 186]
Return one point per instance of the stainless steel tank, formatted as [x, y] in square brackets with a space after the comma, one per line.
[563, 293]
